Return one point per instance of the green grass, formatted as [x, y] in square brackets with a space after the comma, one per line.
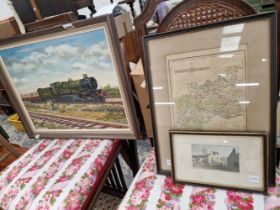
[111, 113]
[49, 125]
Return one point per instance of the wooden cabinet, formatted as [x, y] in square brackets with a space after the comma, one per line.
[47, 8]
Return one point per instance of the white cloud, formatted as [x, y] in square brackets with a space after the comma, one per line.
[40, 58]
[99, 50]
[62, 51]
[103, 65]
[24, 67]
[20, 81]
[79, 66]
[32, 63]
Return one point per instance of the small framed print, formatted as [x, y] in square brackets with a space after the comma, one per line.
[224, 160]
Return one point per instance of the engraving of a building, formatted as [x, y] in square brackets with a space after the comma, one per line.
[233, 160]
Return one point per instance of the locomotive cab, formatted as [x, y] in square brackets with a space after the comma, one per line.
[88, 83]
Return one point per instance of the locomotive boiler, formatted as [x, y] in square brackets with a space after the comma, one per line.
[83, 90]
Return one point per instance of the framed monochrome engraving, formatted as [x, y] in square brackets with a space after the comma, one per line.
[218, 77]
[70, 83]
[224, 160]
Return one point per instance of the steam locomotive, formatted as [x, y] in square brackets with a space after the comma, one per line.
[83, 90]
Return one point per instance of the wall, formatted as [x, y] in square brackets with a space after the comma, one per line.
[4, 10]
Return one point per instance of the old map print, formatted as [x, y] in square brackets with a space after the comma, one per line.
[203, 87]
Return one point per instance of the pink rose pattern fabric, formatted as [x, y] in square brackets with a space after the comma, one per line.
[272, 202]
[26, 201]
[202, 199]
[140, 195]
[21, 182]
[170, 195]
[15, 169]
[174, 196]
[31, 177]
[78, 195]
[54, 192]
[143, 187]
[239, 201]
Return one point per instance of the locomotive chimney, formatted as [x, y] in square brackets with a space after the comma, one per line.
[85, 76]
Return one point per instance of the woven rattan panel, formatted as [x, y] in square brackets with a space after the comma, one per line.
[195, 13]
[204, 14]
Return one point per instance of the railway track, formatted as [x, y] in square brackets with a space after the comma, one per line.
[73, 122]
[96, 103]
[37, 100]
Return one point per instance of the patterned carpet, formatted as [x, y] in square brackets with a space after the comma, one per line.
[104, 201]
[107, 202]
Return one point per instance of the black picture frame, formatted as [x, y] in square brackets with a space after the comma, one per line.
[271, 135]
[225, 134]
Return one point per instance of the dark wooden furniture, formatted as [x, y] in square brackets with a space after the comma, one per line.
[190, 13]
[32, 10]
[24, 10]
[115, 183]
[7, 150]
[51, 21]
[53, 7]
[10, 158]
[277, 6]
[5, 104]
[195, 13]
[8, 27]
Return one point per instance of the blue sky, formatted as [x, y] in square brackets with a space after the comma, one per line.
[83, 40]
[37, 65]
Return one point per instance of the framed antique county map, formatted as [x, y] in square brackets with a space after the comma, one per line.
[218, 77]
[203, 89]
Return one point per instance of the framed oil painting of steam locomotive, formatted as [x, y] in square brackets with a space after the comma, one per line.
[70, 83]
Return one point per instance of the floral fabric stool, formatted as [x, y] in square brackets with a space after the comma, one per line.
[56, 174]
[150, 191]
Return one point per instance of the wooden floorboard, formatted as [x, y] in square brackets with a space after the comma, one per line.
[11, 158]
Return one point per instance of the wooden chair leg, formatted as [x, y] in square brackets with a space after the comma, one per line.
[129, 154]
[277, 157]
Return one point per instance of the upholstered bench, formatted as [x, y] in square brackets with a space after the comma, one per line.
[152, 191]
[57, 174]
